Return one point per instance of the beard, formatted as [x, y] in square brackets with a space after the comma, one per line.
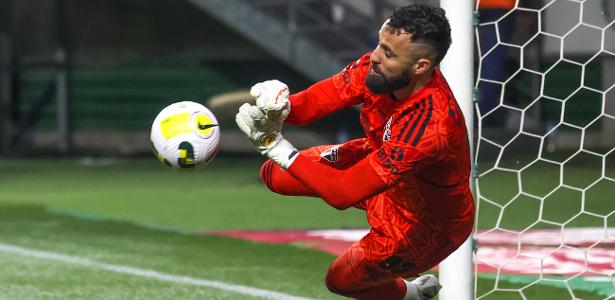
[377, 83]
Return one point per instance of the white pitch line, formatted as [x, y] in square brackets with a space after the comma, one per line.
[85, 262]
[598, 279]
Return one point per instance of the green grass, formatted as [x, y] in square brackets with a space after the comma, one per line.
[138, 213]
[514, 200]
[273, 267]
[226, 195]
[533, 287]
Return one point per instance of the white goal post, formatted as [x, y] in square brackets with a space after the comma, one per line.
[543, 147]
[456, 272]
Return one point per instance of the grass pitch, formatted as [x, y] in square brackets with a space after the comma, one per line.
[138, 214]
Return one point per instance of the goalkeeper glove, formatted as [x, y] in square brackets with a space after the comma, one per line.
[251, 121]
[272, 98]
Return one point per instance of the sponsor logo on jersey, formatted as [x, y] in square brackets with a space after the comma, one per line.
[386, 162]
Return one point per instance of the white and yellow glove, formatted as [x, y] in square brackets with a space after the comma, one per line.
[272, 99]
[254, 124]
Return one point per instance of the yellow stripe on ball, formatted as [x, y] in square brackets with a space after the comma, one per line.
[175, 125]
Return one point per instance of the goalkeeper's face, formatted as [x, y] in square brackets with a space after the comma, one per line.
[395, 61]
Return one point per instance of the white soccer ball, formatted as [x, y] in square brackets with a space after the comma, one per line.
[185, 135]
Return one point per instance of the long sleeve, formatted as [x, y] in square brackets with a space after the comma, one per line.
[339, 188]
[334, 93]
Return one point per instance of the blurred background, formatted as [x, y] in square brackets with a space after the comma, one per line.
[82, 80]
[91, 75]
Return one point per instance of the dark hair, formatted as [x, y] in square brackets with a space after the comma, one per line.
[426, 23]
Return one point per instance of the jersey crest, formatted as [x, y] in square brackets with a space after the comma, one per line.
[387, 130]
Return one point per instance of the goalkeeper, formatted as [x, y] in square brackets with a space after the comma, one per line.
[411, 171]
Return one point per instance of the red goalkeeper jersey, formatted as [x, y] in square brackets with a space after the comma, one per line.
[419, 148]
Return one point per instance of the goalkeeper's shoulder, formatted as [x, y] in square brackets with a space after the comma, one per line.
[355, 71]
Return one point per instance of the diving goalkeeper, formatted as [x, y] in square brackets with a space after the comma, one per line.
[411, 171]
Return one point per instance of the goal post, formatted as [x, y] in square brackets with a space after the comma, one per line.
[542, 147]
[456, 271]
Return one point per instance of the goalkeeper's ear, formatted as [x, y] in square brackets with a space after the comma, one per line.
[422, 66]
[425, 56]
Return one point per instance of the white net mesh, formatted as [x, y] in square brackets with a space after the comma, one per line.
[545, 161]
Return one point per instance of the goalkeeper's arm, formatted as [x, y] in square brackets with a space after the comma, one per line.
[341, 90]
[317, 101]
[339, 188]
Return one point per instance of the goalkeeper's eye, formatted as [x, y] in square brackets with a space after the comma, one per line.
[388, 52]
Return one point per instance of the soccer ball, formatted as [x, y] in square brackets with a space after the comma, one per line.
[185, 135]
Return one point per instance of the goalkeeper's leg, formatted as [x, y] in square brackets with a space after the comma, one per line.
[368, 271]
[350, 275]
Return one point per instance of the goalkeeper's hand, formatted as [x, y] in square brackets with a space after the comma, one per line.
[251, 122]
[272, 99]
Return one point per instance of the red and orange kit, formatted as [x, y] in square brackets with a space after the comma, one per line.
[410, 174]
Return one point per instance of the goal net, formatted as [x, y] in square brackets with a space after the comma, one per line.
[544, 149]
